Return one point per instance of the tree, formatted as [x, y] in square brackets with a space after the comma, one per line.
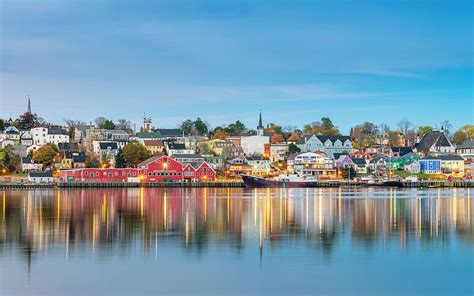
[201, 127]
[109, 124]
[4, 158]
[274, 128]
[277, 138]
[12, 160]
[294, 137]
[446, 127]
[2, 125]
[133, 153]
[317, 128]
[92, 161]
[187, 126]
[45, 154]
[404, 125]
[292, 149]
[327, 123]
[423, 130]
[71, 125]
[469, 130]
[123, 124]
[27, 121]
[119, 160]
[393, 138]
[459, 137]
[100, 121]
[290, 129]
[105, 161]
[219, 133]
[237, 128]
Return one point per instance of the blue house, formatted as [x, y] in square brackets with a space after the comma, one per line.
[430, 165]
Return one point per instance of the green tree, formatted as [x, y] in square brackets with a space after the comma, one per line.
[2, 125]
[327, 123]
[201, 127]
[45, 154]
[423, 130]
[105, 162]
[119, 160]
[4, 158]
[292, 149]
[133, 153]
[187, 126]
[109, 124]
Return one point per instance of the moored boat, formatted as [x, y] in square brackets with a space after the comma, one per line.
[282, 181]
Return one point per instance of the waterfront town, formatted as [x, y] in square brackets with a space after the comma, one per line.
[103, 151]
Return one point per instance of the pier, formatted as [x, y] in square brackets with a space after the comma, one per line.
[325, 184]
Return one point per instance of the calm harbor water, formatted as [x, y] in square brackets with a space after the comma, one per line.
[237, 241]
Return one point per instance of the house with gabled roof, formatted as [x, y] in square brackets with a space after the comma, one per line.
[433, 143]
[327, 144]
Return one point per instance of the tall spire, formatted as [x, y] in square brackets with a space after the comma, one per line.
[260, 127]
[29, 104]
[260, 123]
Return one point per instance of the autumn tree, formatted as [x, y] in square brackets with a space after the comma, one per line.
[133, 153]
[45, 154]
[4, 158]
[92, 161]
[405, 125]
[277, 138]
[27, 120]
[294, 137]
[459, 137]
[325, 128]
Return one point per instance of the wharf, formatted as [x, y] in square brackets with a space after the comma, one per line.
[324, 184]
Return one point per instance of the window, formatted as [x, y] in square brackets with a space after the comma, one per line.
[149, 174]
[92, 175]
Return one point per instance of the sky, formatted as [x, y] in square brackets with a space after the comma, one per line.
[223, 61]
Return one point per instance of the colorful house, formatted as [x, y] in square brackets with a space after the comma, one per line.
[160, 169]
[430, 165]
[96, 175]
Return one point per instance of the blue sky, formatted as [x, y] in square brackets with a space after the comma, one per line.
[356, 61]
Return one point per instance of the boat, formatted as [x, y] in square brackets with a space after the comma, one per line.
[388, 183]
[281, 181]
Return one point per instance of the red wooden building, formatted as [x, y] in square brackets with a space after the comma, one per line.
[201, 172]
[100, 175]
[160, 169]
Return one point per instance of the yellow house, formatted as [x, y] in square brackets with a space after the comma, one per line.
[452, 165]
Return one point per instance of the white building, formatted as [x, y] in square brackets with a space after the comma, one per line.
[27, 165]
[42, 135]
[311, 163]
[278, 152]
[40, 177]
[254, 144]
[327, 144]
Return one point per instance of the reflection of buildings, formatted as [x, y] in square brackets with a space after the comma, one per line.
[195, 217]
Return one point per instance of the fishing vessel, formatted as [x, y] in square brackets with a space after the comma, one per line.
[281, 181]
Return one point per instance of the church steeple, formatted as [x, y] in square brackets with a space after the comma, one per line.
[260, 127]
[29, 105]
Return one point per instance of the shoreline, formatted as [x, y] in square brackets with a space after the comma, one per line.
[421, 184]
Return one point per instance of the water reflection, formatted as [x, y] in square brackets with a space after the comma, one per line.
[101, 221]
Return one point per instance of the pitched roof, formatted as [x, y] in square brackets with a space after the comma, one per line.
[169, 132]
[430, 139]
[333, 138]
[187, 156]
[76, 156]
[466, 144]
[359, 161]
[107, 145]
[401, 150]
[154, 135]
[257, 157]
[27, 160]
[57, 131]
[172, 145]
[152, 142]
[451, 157]
[149, 160]
[117, 132]
[41, 174]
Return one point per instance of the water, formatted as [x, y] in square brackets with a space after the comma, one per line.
[237, 241]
